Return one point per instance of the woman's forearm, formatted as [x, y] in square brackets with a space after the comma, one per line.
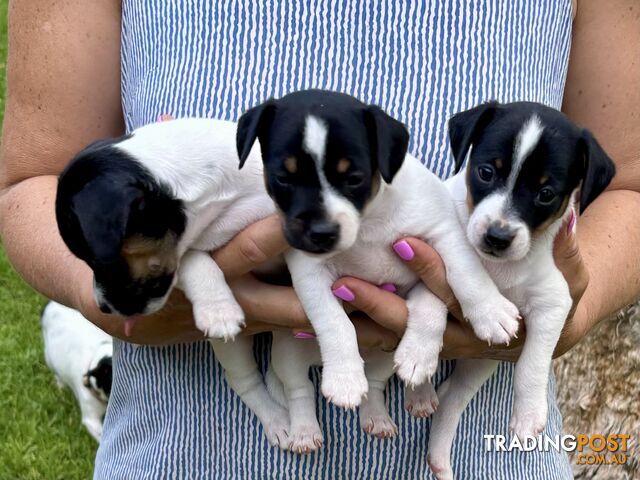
[609, 239]
[33, 244]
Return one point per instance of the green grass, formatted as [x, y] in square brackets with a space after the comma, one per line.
[41, 436]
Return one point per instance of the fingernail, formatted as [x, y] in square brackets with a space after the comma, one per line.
[572, 221]
[404, 250]
[304, 335]
[389, 287]
[343, 293]
[165, 117]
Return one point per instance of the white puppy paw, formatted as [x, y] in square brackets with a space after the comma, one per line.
[495, 320]
[276, 428]
[305, 439]
[219, 319]
[421, 401]
[440, 466]
[416, 359]
[528, 420]
[380, 426]
[343, 386]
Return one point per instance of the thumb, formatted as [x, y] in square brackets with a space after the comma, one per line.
[566, 251]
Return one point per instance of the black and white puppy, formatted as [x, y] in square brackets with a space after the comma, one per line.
[79, 354]
[145, 211]
[330, 161]
[526, 165]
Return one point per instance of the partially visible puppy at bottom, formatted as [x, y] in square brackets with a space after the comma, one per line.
[79, 354]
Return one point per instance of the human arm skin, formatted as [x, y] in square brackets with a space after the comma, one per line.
[601, 94]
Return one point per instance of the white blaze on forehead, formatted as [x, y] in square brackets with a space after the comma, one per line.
[314, 139]
[526, 142]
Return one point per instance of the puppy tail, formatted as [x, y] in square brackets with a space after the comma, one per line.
[275, 387]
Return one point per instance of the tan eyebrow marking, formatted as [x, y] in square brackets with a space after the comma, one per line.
[498, 163]
[544, 179]
[343, 165]
[291, 164]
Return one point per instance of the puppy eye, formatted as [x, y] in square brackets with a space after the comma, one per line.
[354, 180]
[546, 196]
[486, 173]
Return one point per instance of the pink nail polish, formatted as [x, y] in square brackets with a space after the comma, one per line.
[404, 250]
[165, 117]
[343, 293]
[304, 335]
[389, 287]
[572, 222]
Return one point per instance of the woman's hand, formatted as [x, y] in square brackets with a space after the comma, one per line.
[390, 311]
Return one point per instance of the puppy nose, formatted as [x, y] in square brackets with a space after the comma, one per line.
[104, 308]
[324, 234]
[499, 238]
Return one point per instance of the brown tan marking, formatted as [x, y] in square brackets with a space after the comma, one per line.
[544, 179]
[150, 257]
[291, 164]
[343, 165]
[498, 163]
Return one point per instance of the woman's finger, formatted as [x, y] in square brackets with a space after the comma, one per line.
[567, 257]
[383, 306]
[428, 265]
[373, 335]
[252, 247]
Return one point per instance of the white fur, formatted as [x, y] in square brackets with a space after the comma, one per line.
[537, 287]
[72, 347]
[417, 203]
[526, 142]
[338, 209]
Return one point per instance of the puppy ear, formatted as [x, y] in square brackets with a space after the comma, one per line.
[253, 124]
[599, 169]
[465, 127]
[102, 216]
[388, 141]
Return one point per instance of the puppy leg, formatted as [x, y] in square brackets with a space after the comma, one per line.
[421, 400]
[374, 414]
[455, 393]
[343, 380]
[244, 378]
[215, 310]
[416, 358]
[92, 411]
[290, 360]
[544, 324]
[493, 318]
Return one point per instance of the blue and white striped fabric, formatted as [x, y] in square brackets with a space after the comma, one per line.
[171, 413]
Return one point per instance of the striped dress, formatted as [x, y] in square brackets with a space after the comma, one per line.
[171, 413]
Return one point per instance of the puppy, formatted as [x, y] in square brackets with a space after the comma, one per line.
[526, 165]
[329, 165]
[79, 354]
[145, 210]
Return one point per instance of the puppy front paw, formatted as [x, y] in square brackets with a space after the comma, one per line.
[344, 387]
[416, 359]
[219, 319]
[495, 320]
[380, 426]
[421, 401]
[305, 440]
[528, 419]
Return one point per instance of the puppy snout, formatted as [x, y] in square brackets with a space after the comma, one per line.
[499, 237]
[324, 235]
